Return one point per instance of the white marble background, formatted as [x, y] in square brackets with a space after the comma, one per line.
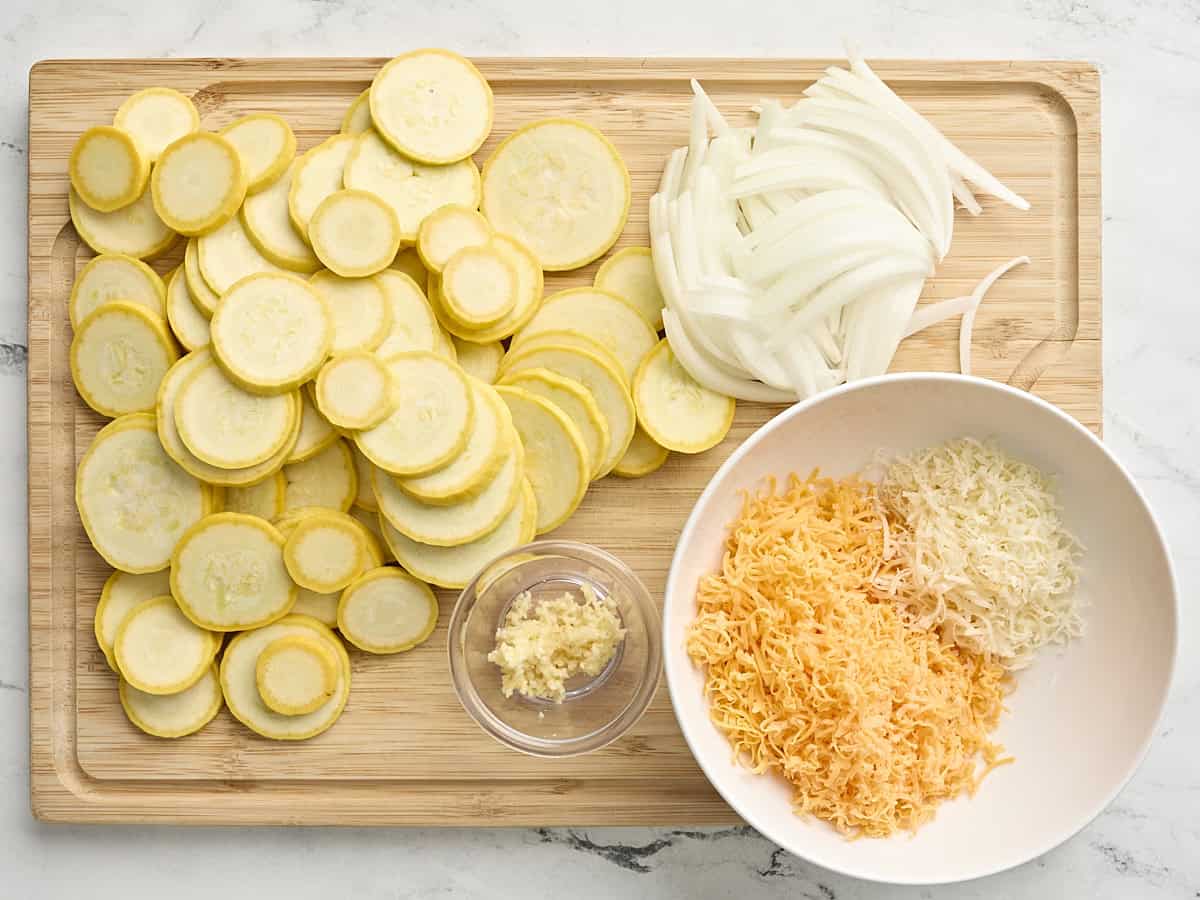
[1147, 845]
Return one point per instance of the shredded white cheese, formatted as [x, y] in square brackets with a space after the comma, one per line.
[978, 550]
[539, 646]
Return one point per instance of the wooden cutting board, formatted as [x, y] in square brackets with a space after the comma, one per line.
[405, 752]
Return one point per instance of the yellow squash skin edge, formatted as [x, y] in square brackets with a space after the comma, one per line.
[208, 715]
[79, 212]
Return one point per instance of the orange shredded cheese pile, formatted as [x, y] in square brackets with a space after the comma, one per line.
[812, 675]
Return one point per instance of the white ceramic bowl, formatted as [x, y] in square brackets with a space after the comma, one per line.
[1080, 719]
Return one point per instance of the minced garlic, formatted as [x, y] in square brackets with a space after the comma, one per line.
[540, 646]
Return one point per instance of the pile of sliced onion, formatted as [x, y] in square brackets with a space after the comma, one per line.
[791, 255]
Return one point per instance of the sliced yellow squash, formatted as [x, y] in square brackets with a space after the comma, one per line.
[122, 592]
[560, 187]
[358, 116]
[265, 144]
[354, 233]
[362, 315]
[173, 715]
[642, 458]
[461, 523]
[576, 401]
[198, 183]
[414, 326]
[479, 286]
[676, 411]
[315, 431]
[454, 567]
[365, 498]
[119, 356]
[558, 338]
[529, 296]
[264, 499]
[600, 376]
[227, 255]
[227, 426]
[115, 277]
[270, 228]
[327, 479]
[476, 465]
[556, 459]
[354, 390]
[158, 651]
[447, 230]
[412, 189]
[629, 273]
[106, 169]
[408, 261]
[271, 333]
[480, 361]
[188, 324]
[168, 433]
[317, 174]
[322, 607]
[296, 674]
[599, 316]
[157, 117]
[134, 230]
[387, 611]
[431, 419]
[325, 551]
[239, 666]
[432, 105]
[205, 298]
[371, 522]
[227, 573]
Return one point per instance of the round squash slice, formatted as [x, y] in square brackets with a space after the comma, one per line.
[228, 574]
[119, 355]
[227, 255]
[629, 273]
[327, 479]
[266, 145]
[106, 169]
[270, 228]
[122, 592]
[642, 458]
[387, 611]
[362, 315]
[134, 501]
[414, 326]
[173, 715]
[198, 183]
[432, 106]
[155, 118]
[478, 286]
[447, 230]
[134, 230]
[529, 296]
[676, 411]
[296, 674]
[354, 233]
[239, 668]
[325, 551]
[116, 277]
[560, 188]
[576, 401]
[354, 390]
[158, 651]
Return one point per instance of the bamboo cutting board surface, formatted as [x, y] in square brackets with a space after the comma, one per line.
[404, 752]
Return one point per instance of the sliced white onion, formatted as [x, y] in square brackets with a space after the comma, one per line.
[968, 319]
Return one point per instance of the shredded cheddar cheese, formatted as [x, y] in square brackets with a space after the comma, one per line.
[812, 674]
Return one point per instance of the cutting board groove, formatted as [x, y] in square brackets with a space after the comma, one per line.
[404, 752]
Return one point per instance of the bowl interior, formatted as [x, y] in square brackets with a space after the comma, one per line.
[1080, 718]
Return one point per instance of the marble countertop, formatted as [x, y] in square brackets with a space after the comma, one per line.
[1146, 845]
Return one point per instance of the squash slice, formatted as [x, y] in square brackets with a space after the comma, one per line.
[362, 315]
[239, 667]
[266, 146]
[119, 356]
[412, 189]
[408, 261]
[173, 715]
[296, 674]
[601, 377]
[432, 106]
[461, 523]
[134, 230]
[122, 592]
[158, 651]
[454, 567]
[198, 183]
[431, 421]
[629, 273]
[325, 551]
[227, 255]
[642, 458]
[156, 118]
[676, 411]
[478, 287]
[327, 479]
[556, 459]
[270, 228]
[205, 298]
[228, 427]
[228, 574]
[315, 431]
[106, 169]
[576, 401]
[354, 390]
[316, 175]
[387, 611]
[365, 498]
[447, 230]
[480, 361]
[600, 316]
[358, 115]
[560, 188]
[414, 326]
[271, 333]
[188, 324]
[116, 277]
[264, 499]
[354, 233]
[529, 296]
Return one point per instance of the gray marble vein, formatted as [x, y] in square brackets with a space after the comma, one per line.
[1146, 846]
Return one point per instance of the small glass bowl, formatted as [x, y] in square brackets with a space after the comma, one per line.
[597, 709]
